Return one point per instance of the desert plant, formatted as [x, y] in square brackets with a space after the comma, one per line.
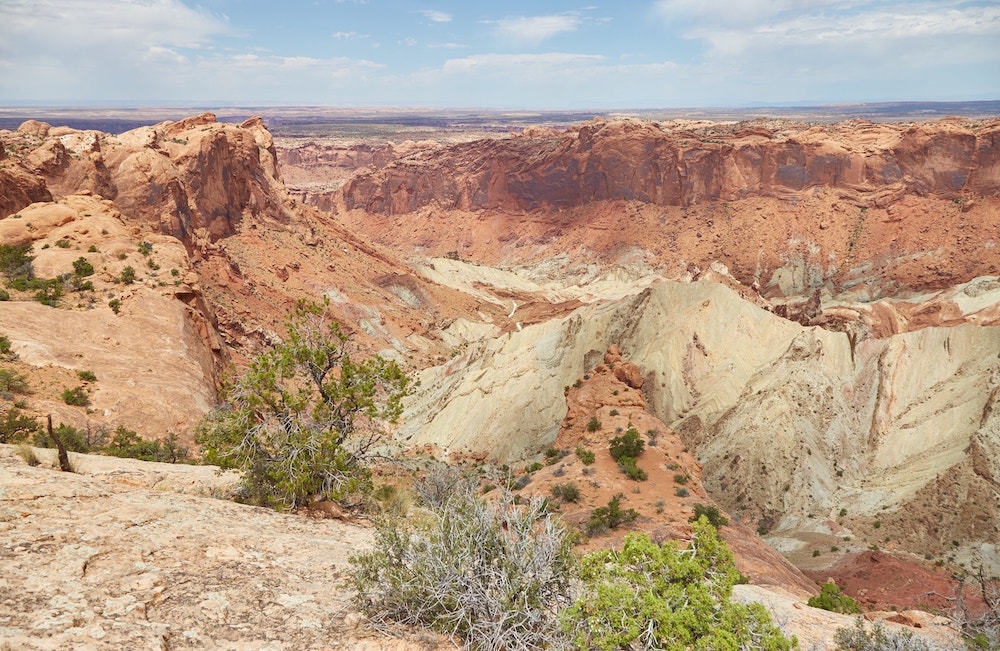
[127, 276]
[16, 261]
[830, 598]
[610, 517]
[393, 499]
[710, 513]
[567, 492]
[27, 454]
[980, 626]
[77, 397]
[631, 469]
[86, 376]
[145, 248]
[436, 485]
[304, 418]
[15, 427]
[682, 492]
[493, 574]
[650, 596]
[586, 456]
[629, 444]
[12, 382]
[73, 439]
[593, 424]
[115, 305]
[879, 638]
[82, 268]
[4, 345]
[49, 291]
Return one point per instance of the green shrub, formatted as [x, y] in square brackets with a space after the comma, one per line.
[145, 248]
[72, 439]
[77, 397]
[62, 243]
[86, 376]
[593, 424]
[127, 443]
[664, 597]
[586, 456]
[4, 295]
[710, 513]
[610, 517]
[830, 598]
[494, 574]
[568, 492]
[16, 427]
[629, 466]
[304, 418]
[878, 639]
[629, 444]
[553, 455]
[127, 276]
[115, 305]
[16, 261]
[49, 291]
[534, 467]
[681, 492]
[81, 285]
[4, 345]
[12, 382]
[82, 268]
[682, 479]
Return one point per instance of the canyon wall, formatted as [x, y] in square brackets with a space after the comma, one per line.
[678, 166]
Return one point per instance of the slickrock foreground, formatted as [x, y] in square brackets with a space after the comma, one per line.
[135, 555]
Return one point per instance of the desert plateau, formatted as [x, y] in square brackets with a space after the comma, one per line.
[798, 317]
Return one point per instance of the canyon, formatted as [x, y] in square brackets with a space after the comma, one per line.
[807, 315]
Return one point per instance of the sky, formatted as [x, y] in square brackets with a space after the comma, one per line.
[516, 54]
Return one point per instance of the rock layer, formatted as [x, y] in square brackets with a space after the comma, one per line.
[670, 165]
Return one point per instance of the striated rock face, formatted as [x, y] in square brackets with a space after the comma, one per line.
[670, 165]
[179, 178]
[790, 422]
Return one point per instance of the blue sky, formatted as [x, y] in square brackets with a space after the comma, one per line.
[516, 54]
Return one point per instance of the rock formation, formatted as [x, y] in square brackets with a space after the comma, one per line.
[809, 315]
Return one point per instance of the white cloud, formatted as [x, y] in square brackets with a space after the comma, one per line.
[70, 25]
[349, 36]
[731, 26]
[532, 30]
[435, 16]
[822, 50]
[526, 65]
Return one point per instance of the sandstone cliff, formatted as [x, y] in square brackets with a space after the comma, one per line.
[672, 165]
[862, 207]
[179, 178]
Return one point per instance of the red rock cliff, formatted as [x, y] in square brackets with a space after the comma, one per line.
[679, 165]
